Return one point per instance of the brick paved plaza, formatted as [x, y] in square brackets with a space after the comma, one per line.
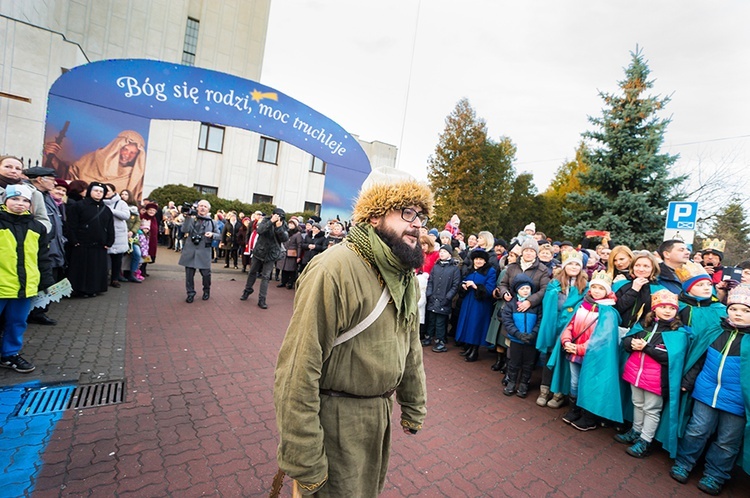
[198, 417]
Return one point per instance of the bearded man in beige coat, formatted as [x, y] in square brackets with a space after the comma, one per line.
[344, 356]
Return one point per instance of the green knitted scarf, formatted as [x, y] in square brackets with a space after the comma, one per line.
[398, 277]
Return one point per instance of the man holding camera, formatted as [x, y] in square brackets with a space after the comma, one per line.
[272, 232]
[200, 231]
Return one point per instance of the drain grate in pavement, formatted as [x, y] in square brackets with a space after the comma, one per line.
[41, 400]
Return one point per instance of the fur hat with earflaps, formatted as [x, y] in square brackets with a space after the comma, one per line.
[386, 189]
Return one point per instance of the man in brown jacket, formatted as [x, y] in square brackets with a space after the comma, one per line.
[344, 356]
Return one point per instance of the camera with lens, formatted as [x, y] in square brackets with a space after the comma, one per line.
[197, 238]
[189, 209]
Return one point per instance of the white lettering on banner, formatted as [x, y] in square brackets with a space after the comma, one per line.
[147, 89]
[320, 135]
[184, 92]
[267, 110]
[240, 101]
[229, 99]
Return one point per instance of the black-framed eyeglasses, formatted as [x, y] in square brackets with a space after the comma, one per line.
[409, 214]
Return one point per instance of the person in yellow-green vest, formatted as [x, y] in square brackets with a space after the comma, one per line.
[25, 268]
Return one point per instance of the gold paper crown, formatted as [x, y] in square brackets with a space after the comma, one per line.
[689, 271]
[714, 245]
[602, 278]
[570, 256]
[739, 295]
[664, 298]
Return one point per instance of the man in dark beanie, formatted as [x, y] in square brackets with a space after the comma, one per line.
[272, 232]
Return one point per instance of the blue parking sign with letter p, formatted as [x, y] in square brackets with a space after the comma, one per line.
[682, 215]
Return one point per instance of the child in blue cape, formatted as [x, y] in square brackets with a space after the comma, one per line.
[719, 382]
[588, 348]
[522, 328]
[561, 299]
[700, 309]
[654, 369]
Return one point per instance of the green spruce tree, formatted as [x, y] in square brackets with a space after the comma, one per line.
[552, 201]
[732, 227]
[522, 207]
[469, 173]
[628, 185]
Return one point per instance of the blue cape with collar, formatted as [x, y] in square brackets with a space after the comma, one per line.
[599, 385]
[677, 343]
[554, 321]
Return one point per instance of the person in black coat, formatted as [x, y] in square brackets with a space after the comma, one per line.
[91, 232]
[530, 265]
[634, 296]
[229, 240]
[313, 244]
[442, 286]
[272, 232]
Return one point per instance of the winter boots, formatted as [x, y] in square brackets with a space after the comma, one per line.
[573, 414]
[640, 449]
[499, 365]
[557, 401]
[440, 347]
[629, 437]
[512, 378]
[587, 422]
[544, 396]
[473, 354]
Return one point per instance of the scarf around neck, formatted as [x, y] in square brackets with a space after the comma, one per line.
[525, 265]
[5, 181]
[398, 277]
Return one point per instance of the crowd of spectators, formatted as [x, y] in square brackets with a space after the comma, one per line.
[648, 343]
[653, 344]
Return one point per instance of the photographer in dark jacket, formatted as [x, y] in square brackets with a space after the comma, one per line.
[272, 232]
[200, 230]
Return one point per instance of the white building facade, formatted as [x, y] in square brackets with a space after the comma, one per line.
[44, 38]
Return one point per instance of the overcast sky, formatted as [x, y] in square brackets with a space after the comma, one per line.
[531, 69]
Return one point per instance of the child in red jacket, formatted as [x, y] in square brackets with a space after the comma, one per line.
[575, 339]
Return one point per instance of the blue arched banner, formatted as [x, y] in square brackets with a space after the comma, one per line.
[118, 98]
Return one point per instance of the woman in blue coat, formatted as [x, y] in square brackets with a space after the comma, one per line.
[476, 308]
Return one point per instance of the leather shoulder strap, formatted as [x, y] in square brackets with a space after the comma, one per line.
[369, 320]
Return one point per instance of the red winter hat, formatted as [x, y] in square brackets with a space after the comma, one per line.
[62, 183]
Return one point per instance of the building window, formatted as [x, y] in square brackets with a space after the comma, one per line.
[205, 189]
[211, 138]
[312, 206]
[269, 150]
[262, 199]
[317, 165]
[191, 42]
